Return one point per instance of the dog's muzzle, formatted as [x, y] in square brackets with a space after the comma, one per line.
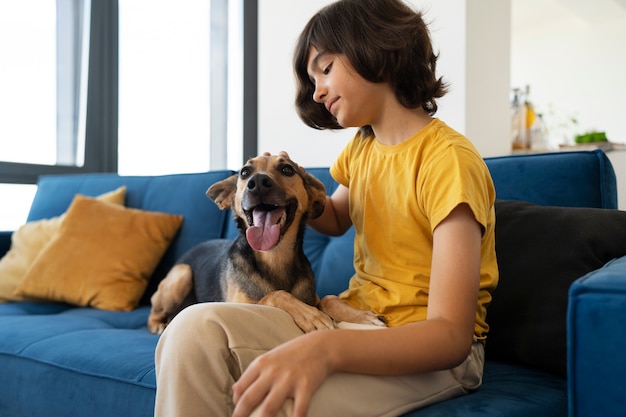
[266, 212]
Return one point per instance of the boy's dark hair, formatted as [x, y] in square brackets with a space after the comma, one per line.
[384, 40]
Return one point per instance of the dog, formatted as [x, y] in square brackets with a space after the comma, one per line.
[271, 199]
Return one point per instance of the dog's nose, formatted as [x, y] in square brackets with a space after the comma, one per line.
[260, 183]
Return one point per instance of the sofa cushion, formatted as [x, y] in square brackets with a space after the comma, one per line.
[541, 250]
[29, 240]
[102, 256]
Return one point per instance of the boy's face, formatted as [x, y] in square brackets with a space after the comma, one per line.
[354, 101]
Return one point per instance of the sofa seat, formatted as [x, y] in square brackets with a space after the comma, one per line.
[508, 391]
[63, 349]
[79, 355]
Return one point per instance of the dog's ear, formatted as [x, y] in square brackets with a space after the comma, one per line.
[222, 192]
[317, 195]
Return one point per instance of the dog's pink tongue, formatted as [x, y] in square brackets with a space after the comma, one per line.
[265, 233]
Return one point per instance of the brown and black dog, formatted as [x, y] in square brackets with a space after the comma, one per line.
[271, 198]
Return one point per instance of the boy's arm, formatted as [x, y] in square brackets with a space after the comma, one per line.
[335, 219]
[444, 339]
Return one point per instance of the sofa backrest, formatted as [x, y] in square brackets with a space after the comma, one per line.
[583, 179]
[567, 179]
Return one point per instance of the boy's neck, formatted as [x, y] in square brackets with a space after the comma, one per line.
[400, 124]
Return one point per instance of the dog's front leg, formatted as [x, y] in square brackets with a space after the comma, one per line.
[307, 318]
[340, 311]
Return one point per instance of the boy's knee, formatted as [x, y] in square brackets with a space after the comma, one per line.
[217, 323]
[194, 324]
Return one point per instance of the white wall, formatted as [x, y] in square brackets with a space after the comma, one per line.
[487, 106]
[571, 53]
[280, 128]
[472, 37]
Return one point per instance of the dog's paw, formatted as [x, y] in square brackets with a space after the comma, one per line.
[157, 329]
[310, 318]
[369, 318]
[156, 325]
[340, 311]
[306, 317]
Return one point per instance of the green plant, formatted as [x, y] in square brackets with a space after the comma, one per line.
[591, 137]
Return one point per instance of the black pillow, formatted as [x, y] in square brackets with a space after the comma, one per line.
[541, 250]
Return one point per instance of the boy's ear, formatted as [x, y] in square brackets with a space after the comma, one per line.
[223, 192]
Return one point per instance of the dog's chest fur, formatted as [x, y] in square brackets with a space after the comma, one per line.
[251, 274]
[232, 271]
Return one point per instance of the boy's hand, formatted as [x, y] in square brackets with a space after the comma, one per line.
[294, 370]
[281, 153]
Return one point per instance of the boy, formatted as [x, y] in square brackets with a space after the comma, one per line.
[421, 200]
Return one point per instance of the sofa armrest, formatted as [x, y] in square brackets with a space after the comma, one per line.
[5, 242]
[596, 340]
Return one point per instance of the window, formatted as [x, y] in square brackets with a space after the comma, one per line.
[164, 86]
[56, 112]
[28, 82]
[16, 199]
[183, 87]
[42, 80]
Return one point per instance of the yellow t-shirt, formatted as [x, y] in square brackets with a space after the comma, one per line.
[398, 196]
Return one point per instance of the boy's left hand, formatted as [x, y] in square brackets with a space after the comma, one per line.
[293, 370]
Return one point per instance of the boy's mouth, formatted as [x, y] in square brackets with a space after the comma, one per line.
[330, 105]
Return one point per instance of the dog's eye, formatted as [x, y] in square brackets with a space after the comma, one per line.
[245, 172]
[288, 170]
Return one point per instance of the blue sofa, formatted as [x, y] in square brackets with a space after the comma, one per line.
[547, 352]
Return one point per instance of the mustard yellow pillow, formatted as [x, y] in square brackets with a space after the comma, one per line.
[102, 256]
[29, 240]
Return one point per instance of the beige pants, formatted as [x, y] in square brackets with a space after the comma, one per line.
[207, 346]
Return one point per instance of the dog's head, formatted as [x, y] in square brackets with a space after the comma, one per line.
[268, 196]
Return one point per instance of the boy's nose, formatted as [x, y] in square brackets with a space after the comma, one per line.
[319, 94]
